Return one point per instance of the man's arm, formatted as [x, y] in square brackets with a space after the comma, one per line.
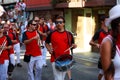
[93, 43]
[48, 44]
[49, 48]
[94, 38]
[73, 45]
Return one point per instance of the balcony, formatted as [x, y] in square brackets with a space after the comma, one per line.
[67, 3]
[99, 3]
[82, 3]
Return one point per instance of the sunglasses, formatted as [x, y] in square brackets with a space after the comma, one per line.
[34, 24]
[36, 20]
[58, 22]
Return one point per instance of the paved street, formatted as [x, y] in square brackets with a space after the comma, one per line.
[84, 69]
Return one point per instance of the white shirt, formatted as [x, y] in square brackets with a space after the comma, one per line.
[116, 60]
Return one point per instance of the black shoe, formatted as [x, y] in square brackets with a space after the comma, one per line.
[45, 65]
[19, 65]
[10, 77]
[42, 47]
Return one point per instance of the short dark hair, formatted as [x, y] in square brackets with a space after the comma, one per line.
[60, 17]
[103, 17]
[30, 22]
[35, 17]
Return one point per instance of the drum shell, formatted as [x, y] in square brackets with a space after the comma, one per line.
[64, 62]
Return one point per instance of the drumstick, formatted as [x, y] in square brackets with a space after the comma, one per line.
[68, 49]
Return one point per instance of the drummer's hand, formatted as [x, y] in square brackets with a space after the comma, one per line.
[74, 46]
[36, 37]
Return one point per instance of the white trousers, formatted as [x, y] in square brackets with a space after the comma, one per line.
[12, 59]
[44, 52]
[58, 75]
[17, 51]
[101, 71]
[3, 70]
[36, 65]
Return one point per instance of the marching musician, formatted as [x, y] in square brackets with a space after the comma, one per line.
[16, 46]
[58, 44]
[30, 39]
[5, 45]
[7, 32]
[43, 31]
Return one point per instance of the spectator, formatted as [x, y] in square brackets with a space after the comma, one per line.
[110, 47]
[98, 36]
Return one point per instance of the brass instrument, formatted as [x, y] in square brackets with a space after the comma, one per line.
[39, 40]
[3, 46]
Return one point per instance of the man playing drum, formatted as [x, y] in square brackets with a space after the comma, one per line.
[58, 44]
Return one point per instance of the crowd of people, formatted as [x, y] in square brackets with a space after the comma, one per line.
[37, 36]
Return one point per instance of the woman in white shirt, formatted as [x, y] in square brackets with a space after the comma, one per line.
[110, 47]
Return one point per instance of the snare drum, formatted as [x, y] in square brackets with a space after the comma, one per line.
[64, 62]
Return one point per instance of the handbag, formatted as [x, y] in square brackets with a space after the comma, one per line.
[99, 64]
[27, 58]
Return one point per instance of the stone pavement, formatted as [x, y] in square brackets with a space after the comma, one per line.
[87, 64]
[87, 56]
[79, 71]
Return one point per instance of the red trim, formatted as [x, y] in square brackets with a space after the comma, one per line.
[37, 3]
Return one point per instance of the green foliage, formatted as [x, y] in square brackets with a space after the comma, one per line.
[54, 2]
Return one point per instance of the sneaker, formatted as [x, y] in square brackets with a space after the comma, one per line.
[19, 65]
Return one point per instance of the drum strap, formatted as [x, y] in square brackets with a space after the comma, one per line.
[69, 42]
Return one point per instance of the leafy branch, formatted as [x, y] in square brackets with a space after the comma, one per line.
[55, 2]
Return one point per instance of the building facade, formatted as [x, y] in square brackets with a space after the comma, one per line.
[82, 16]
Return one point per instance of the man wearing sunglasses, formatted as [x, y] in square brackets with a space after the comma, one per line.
[30, 39]
[58, 44]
